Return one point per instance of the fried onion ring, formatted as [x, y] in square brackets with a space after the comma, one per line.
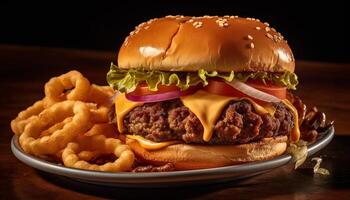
[56, 127]
[31, 140]
[99, 101]
[100, 95]
[26, 116]
[97, 145]
[99, 114]
[106, 129]
[74, 81]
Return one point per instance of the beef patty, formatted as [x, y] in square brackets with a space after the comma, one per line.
[239, 123]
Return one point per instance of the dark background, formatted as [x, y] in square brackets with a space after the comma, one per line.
[315, 31]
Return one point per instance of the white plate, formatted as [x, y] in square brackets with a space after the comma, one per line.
[159, 179]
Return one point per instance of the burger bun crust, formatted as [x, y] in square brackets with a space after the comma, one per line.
[220, 44]
[188, 156]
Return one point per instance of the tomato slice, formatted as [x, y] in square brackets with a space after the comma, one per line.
[142, 90]
[277, 91]
[219, 87]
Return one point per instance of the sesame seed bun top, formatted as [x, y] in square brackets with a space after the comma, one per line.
[179, 43]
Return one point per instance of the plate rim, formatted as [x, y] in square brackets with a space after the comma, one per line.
[43, 165]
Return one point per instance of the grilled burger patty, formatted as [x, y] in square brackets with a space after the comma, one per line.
[238, 123]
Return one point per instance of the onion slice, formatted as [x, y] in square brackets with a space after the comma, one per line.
[161, 96]
[154, 97]
[250, 91]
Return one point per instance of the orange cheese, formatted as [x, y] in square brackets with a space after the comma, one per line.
[150, 145]
[295, 134]
[208, 107]
[122, 107]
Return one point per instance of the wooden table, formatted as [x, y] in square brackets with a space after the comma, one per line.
[24, 70]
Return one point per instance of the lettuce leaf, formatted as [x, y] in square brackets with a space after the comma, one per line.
[127, 80]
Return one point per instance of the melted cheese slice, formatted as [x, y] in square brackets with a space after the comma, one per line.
[208, 108]
[122, 107]
[295, 134]
[150, 145]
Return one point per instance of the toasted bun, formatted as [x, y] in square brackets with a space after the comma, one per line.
[186, 157]
[178, 43]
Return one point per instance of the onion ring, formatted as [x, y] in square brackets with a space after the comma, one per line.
[106, 129]
[33, 143]
[98, 145]
[74, 81]
[100, 95]
[26, 116]
[56, 127]
[99, 114]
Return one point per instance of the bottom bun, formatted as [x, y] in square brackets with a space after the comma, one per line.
[191, 156]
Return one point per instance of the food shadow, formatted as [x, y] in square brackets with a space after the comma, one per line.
[164, 191]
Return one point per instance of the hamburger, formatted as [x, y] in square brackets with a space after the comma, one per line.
[203, 92]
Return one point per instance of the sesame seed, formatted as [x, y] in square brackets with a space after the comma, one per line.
[269, 35]
[126, 41]
[258, 20]
[267, 24]
[251, 45]
[222, 22]
[258, 28]
[197, 24]
[222, 19]
[191, 20]
[132, 32]
[227, 16]
[249, 37]
[274, 30]
[150, 21]
[279, 34]
[267, 29]
[146, 27]
[143, 23]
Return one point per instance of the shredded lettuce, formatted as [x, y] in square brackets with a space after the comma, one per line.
[127, 80]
